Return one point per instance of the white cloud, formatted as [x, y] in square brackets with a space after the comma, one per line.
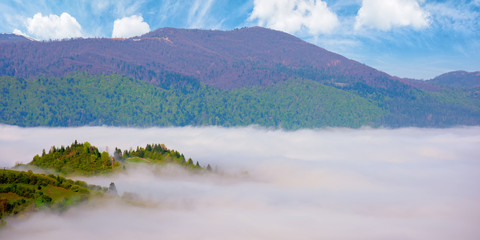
[130, 27]
[387, 14]
[294, 16]
[19, 32]
[53, 26]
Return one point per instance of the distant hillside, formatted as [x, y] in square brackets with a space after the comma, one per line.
[458, 79]
[116, 100]
[13, 38]
[222, 59]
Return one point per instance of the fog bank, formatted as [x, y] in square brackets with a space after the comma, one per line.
[308, 184]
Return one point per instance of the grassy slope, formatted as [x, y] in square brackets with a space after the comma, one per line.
[25, 191]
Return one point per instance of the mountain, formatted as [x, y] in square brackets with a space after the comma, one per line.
[222, 59]
[458, 79]
[179, 77]
[13, 38]
[253, 56]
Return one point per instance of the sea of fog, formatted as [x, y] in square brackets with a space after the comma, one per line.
[271, 184]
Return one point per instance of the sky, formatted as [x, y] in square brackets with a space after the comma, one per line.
[408, 183]
[407, 38]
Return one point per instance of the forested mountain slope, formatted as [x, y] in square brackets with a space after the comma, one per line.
[178, 77]
[116, 100]
[121, 101]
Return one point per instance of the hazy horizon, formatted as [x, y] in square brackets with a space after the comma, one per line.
[330, 183]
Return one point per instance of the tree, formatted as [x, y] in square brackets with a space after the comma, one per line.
[112, 189]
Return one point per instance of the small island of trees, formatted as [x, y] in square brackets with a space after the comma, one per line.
[85, 159]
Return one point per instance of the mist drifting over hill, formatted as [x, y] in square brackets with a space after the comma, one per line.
[308, 184]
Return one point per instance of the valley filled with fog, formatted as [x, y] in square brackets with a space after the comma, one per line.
[408, 183]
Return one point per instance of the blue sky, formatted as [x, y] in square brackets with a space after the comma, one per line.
[406, 38]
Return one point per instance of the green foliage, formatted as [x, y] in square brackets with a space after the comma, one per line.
[22, 191]
[85, 159]
[79, 158]
[117, 100]
[81, 99]
[158, 154]
[407, 106]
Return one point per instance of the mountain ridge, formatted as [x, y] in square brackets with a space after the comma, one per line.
[13, 37]
[223, 59]
[458, 79]
[317, 57]
[263, 45]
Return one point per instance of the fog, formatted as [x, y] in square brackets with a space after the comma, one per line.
[271, 184]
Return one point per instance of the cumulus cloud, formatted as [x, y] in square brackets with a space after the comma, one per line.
[130, 27]
[53, 26]
[308, 184]
[387, 14]
[292, 16]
